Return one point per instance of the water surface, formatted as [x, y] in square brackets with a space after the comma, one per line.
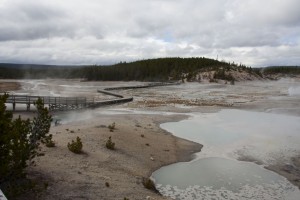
[226, 136]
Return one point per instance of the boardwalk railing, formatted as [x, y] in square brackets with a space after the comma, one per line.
[55, 103]
[71, 103]
[64, 103]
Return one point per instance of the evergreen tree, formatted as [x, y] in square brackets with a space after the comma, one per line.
[19, 143]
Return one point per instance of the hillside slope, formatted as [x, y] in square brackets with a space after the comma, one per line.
[172, 69]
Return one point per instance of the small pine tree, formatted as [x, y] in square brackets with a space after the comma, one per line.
[19, 144]
[109, 144]
[75, 147]
[112, 127]
[149, 184]
[48, 141]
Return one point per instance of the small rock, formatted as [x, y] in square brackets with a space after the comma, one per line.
[151, 158]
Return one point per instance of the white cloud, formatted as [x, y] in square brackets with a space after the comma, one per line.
[99, 32]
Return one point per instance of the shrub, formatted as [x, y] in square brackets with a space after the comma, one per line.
[149, 184]
[112, 127]
[48, 141]
[109, 144]
[107, 184]
[75, 147]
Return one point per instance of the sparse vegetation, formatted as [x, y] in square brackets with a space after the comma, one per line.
[112, 127]
[109, 144]
[149, 184]
[75, 146]
[107, 184]
[48, 141]
[223, 75]
[142, 135]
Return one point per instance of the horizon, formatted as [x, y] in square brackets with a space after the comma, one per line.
[107, 65]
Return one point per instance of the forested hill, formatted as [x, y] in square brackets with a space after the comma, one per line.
[161, 69]
[282, 70]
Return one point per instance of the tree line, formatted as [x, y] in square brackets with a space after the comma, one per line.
[160, 69]
[282, 70]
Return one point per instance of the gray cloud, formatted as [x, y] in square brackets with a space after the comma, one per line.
[99, 32]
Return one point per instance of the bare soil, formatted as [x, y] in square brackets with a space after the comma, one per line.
[141, 148]
[9, 86]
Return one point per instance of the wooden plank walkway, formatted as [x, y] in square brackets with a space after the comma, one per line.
[62, 103]
[143, 86]
[54, 103]
[72, 103]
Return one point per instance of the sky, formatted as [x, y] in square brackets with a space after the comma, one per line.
[253, 32]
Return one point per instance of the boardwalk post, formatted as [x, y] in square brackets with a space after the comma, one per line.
[28, 104]
[14, 106]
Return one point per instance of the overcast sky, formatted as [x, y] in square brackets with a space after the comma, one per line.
[254, 32]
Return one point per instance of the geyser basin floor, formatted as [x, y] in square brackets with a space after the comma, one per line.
[228, 135]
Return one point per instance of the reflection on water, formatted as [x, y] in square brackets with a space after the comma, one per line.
[216, 172]
[219, 178]
[226, 135]
[232, 133]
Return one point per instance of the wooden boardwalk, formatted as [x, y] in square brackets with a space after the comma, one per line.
[62, 103]
[143, 86]
[54, 103]
[72, 103]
